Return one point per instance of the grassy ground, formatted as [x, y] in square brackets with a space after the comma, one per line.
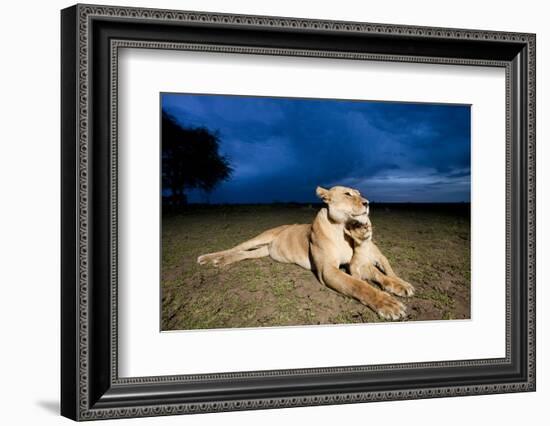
[429, 246]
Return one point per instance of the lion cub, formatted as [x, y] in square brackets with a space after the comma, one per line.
[368, 263]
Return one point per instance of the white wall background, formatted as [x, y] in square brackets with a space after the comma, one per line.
[29, 225]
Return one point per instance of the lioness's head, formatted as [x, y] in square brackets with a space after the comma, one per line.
[344, 204]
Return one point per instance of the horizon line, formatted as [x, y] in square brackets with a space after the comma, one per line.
[320, 202]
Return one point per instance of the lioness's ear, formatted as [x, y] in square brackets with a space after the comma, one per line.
[323, 194]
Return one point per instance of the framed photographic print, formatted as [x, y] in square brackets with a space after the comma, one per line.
[263, 212]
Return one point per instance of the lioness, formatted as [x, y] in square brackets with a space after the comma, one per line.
[368, 263]
[322, 247]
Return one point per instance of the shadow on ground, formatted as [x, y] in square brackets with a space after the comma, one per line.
[52, 407]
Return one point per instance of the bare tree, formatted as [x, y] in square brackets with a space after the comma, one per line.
[190, 159]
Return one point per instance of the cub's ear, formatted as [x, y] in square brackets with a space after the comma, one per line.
[323, 194]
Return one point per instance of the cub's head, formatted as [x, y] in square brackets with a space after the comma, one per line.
[359, 232]
[344, 204]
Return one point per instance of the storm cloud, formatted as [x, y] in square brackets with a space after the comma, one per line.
[282, 148]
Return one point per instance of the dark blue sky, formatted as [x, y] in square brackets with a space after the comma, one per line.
[282, 148]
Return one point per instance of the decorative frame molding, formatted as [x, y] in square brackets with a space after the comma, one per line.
[91, 37]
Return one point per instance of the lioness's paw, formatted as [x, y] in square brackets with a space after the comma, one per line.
[400, 288]
[390, 309]
[207, 258]
[221, 261]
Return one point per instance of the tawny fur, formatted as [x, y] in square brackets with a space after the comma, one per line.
[368, 262]
[321, 247]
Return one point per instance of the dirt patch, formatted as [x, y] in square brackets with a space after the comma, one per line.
[427, 246]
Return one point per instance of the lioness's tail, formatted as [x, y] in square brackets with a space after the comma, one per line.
[253, 248]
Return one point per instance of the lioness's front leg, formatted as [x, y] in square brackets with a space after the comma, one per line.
[382, 303]
[404, 286]
[392, 284]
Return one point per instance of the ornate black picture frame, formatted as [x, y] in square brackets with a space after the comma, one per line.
[91, 36]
